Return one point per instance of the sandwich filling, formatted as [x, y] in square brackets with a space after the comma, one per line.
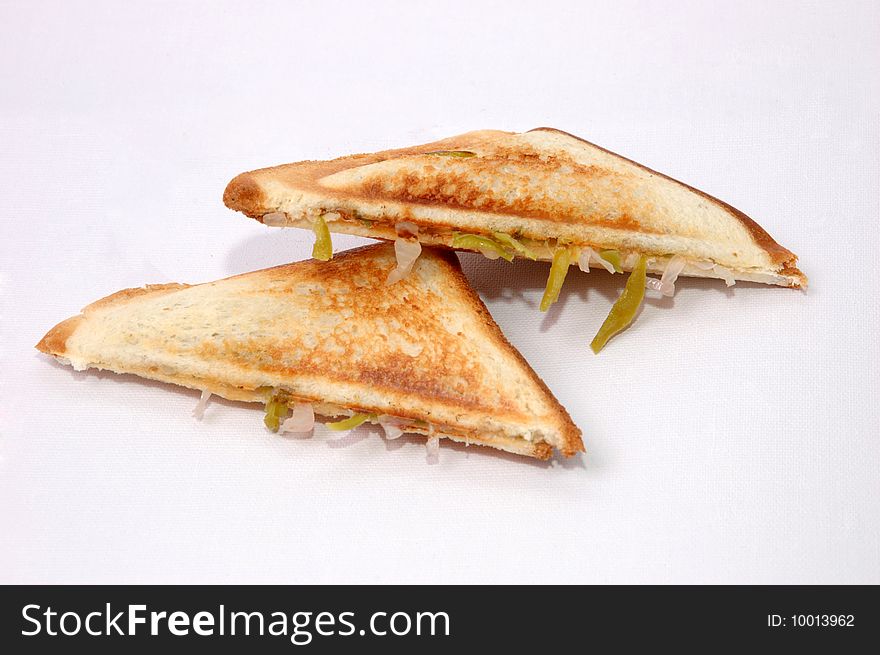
[285, 413]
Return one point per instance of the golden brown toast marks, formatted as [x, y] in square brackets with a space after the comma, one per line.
[541, 185]
[424, 349]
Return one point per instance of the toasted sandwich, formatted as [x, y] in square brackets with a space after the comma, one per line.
[521, 195]
[421, 356]
[542, 194]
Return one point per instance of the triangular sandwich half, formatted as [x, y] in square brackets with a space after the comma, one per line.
[534, 194]
[332, 339]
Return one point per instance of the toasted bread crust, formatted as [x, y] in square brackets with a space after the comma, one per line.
[397, 379]
[243, 191]
[55, 340]
[136, 292]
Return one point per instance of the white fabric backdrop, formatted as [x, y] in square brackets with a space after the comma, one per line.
[732, 435]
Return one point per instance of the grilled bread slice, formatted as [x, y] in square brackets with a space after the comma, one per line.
[544, 188]
[335, 335]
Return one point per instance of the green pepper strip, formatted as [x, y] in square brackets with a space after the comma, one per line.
[624, 310]
[475, 242]
[613, 258]
[558, 271]
[453, 153]
[349, 423]
[275, 411]
[323, 248]
[510, 242]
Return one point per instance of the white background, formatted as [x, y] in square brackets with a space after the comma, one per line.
[732, 435]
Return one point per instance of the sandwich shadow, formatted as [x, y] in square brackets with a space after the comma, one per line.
[280, 246]
[364, 432]
[277, 246]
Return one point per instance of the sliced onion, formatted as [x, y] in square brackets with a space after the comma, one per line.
[653, 284]
[670, 274]
[588, 255]
[608, 266]
[275, 219]
[391, 425]
[406, 229]
[407, 252]
[584, 259]
[725, 275]
[199, 409]
[432, 446]
[302, 419]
